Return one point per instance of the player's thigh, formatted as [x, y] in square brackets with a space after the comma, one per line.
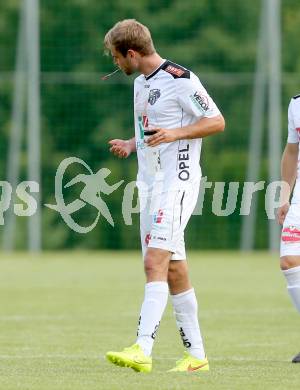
[179, 253]
[170, 220]
[290, 239]
[188, 204]
[164, 209]
[182, 215]
[145, 223]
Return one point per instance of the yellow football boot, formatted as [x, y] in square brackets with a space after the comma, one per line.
[132, 357]
[190, 364]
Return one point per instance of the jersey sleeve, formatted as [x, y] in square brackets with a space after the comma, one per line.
[194, 99]
[293, 137]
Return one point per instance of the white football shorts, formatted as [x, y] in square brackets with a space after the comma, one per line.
[290, 235]
[163, 218]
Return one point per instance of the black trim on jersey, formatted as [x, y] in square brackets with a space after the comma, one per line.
[164, 66]
[296, 97]
[185, 75]
[156, 71]
[181, 206]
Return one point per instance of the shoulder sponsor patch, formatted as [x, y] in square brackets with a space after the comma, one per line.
[173, 70]
[200, 100]
[177, 71]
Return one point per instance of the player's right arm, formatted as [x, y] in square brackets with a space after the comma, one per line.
[122, 148]
[289, 163]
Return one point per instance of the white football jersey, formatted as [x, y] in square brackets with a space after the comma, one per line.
[294, 137]
[171, 97]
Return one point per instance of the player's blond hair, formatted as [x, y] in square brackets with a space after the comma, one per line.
[129, 34]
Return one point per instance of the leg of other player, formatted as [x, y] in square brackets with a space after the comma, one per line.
[185, 308]
[156, 264]
[290, 266]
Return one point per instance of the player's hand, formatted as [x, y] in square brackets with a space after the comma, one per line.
[120, 148]
[161, 136]
[282, 212]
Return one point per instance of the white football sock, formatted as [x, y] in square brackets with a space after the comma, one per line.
[293, 285]
[186, 314]
[155, 301]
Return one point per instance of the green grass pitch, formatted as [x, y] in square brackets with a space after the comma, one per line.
[60, 313]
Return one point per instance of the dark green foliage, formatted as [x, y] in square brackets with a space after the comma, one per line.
[80, 113]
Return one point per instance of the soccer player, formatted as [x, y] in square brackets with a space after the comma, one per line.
[172, 113]
[288, 214]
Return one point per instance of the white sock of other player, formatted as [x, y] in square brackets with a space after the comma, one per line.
[292, 276]
[155, 301]
[186, 314]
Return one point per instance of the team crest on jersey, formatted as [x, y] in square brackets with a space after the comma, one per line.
[154, 94]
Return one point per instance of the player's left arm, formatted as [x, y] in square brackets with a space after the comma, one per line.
[194, 100]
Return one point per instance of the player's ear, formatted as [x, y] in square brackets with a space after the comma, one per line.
[131, 53]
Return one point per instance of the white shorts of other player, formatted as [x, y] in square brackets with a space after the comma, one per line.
[290, 235]
[163, 219]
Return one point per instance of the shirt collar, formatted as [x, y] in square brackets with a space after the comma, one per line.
[155, 71]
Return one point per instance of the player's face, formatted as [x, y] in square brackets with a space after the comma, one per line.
[126, 64]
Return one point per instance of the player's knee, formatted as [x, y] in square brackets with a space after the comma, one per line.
[153, 265]
[176, 275]
[149, 266]
[287, 262]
